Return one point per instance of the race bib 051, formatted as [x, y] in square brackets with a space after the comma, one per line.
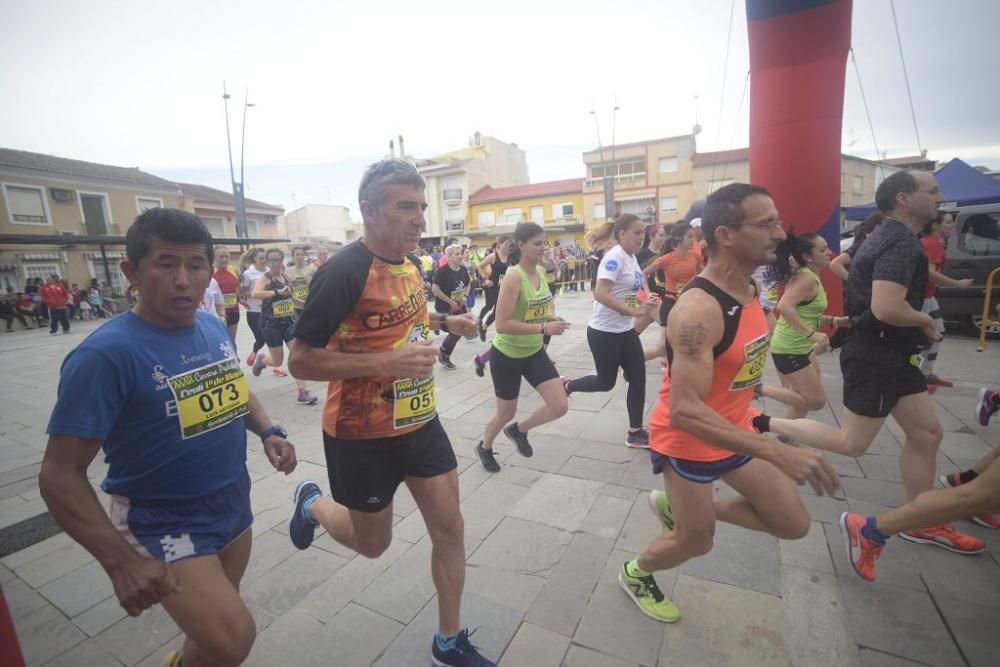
[210, 396]
[413, 401]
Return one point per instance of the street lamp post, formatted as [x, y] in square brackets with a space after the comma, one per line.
[238, 197]
[609, 183]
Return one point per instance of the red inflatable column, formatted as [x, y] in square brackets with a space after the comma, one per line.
[798, 57]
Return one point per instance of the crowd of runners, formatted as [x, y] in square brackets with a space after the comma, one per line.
[174, 406]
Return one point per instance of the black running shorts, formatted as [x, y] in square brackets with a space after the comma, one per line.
[876, 378]
[507, 371]
[789, 363]
[364, 474]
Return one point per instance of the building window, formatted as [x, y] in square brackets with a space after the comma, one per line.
[214, 226]
[486, 219]
[143, 204]
[118, 280]
[537, 214]
[26, 205]
[512, 216]
[667, 165]
[599, 211]
[668, 204]
[859, 184]
[563, 210]
[41, 270]
[253, 230]
[843, 183]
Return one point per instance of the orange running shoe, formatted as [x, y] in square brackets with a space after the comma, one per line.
[946, 537]
[861, 551]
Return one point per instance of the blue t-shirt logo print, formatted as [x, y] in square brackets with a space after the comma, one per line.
[638, 280]
[611, 265]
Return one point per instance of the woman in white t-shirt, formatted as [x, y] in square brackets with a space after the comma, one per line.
[611, 332]
[250, 276]
[212, 300]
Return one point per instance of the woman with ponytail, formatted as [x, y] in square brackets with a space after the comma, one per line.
[679, 264]
[525, 316]
[611, 332]
[797, 338]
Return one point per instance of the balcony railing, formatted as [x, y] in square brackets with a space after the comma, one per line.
[620, 178]
[451, 194]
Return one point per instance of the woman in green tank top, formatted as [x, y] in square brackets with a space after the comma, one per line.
[525, 315]
[797, 339]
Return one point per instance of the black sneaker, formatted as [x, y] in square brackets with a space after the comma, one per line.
[300, 528]
[518, 438]
[488, 458]
[446, 362]
[463, 655]
[480, 366]
[638, 439]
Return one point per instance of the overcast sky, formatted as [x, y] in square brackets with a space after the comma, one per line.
[136, 83]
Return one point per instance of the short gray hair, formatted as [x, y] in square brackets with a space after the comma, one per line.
[391, 171]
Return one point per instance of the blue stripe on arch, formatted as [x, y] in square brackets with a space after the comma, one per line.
[760, 10]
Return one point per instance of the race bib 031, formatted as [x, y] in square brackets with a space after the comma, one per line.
[538, 310]
[210, 396]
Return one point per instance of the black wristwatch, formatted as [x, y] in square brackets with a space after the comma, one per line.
[275, 429]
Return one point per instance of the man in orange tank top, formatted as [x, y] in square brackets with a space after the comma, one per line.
[703, 428]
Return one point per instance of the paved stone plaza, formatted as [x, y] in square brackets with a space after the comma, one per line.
[544, 538]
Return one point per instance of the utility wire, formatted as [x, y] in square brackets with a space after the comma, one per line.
[736, 122]
[722, 97]
[906, 77]
[864, 100]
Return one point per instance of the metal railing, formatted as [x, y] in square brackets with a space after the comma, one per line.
[987, 322]
[451, 193]
[620, 178]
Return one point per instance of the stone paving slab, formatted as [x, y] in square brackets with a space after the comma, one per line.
[544, 540]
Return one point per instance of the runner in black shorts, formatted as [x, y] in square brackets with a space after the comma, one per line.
[451, 291]
[525, 315]
[366, 330]
[277, 319]
[884, 294]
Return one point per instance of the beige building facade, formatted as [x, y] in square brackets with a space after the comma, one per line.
[63, 198]
[652, 179]
[217, 209]
[452, 177]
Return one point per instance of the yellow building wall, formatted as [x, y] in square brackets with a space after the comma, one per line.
[525, 205]
[67, 216]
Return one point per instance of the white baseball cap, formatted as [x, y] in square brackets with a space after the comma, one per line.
[696, 223]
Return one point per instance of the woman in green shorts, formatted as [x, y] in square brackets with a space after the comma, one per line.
[524, 316]
[797, 338]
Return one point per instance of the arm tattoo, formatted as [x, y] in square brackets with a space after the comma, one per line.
[692, 337]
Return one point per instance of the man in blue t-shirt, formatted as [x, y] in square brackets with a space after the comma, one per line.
[161, 391]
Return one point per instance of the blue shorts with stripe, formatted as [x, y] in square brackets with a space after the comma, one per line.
[702, 472]
[174, 530]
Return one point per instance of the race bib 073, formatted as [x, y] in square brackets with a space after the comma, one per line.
[210, 396]
[413, 401]
[754, 360]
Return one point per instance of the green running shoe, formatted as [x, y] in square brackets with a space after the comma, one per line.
[647, 597]
[659, 505]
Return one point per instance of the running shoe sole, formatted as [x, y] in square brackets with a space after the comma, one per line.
[946, 481]
[923, 540]
[979, 522]
[635, 600]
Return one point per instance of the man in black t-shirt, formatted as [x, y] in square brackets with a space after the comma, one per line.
[451, 289]
[884, 294]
